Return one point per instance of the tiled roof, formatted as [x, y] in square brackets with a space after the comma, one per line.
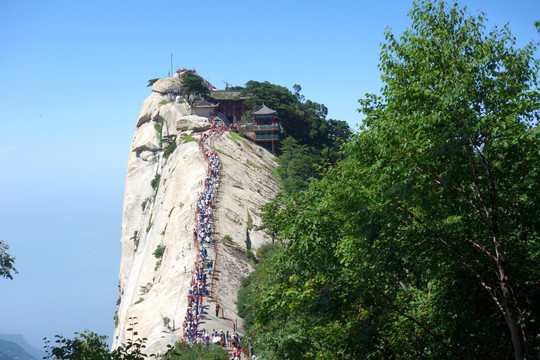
[263, 110]
[226, 95]
[204, 103]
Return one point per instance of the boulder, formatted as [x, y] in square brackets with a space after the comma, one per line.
[168, 115]
[146, 138]
[193, 122]
[171, 84]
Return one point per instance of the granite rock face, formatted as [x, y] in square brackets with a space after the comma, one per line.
[159, 211]
[171, 84]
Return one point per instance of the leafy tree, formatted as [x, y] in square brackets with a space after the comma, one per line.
[7, 269]
[86, 345]
[184, 351]
[423, 243]
[456, 133]
[296, 165]
[338, 133]
[194, 84]
[151, 82]
[91, 346]
[309, 136]
[301, 119]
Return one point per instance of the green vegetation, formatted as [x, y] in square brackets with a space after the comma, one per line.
[248, 303]
[146, 288]
[116, 319]
[158, 253]
[155, 181]
[159, 129]
[423, 242]
[7, 268]
[170, 141]
[163, 102]
[140, 300]
[223, 153]
[235, 136]
[310, 139]
[119, 294]
[193, 84]
[166, 321]
[86, 345]
[183, 351]
[251, 257]
[252, 164]
[135, 238]
[89, 345]
[145, 202]
[149, 226]
[188, 138]
[297, 165]
[170, 212]
[151, 82]
[228, 241]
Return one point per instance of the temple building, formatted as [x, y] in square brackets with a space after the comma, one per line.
[264, 130]
[204, 108]
[231, 104]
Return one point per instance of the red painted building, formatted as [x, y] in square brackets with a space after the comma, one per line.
[230, 104]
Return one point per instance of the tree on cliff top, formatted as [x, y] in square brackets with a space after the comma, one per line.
[194, 84]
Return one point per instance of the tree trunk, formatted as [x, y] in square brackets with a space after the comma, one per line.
[511, 320]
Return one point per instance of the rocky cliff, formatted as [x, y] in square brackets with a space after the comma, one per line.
[165, 175]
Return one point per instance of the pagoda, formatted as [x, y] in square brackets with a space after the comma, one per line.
[264, 130]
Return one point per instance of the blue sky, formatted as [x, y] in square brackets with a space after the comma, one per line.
[73, 77]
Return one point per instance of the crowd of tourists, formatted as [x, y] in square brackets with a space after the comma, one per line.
[202, 236]
[201, 288]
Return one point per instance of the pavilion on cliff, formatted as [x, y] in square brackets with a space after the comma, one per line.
[264, 130]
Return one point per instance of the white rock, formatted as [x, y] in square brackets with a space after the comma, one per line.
[169, 114]
[168, 219]
[150, 105]
[168, 85]
[193, 122]
[146, 138]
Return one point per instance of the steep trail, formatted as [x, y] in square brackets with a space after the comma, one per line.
[204, 314]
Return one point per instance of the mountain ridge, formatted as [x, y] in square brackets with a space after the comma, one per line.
[159, 213]
[20, 341]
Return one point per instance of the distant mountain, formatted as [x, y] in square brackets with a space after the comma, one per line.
[29, 350]
[11, 351]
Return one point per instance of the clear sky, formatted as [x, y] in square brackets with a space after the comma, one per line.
[73, 77]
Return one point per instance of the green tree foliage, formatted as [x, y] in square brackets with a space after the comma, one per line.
[310, 138]
[91, 346]
[297, 165]
[303, 120]
[193, 84]
[7, 269]
[184, 351]
[155, 182]
[86, 345]
[423, 243]
[160, 250]
[151, 82]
